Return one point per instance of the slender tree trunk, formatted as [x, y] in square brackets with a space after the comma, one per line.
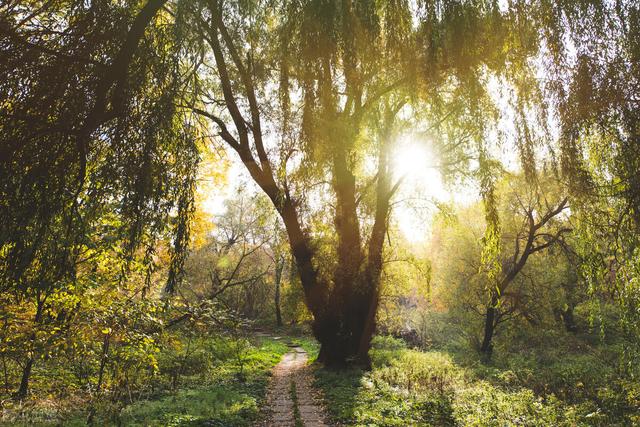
[278, 280]
[569, 320]
[23, 389]
[5, 369]
[489, 327]
[567, 313]
[5, 372]
[24, 381]
[103, 361]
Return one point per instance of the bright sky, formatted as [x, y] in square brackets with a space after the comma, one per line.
[414, 204]
[422, 189]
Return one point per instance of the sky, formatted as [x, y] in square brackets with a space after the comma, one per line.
[423, 189]
[415, 203]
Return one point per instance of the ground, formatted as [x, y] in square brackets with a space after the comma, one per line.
[292, 400]
[275, 383]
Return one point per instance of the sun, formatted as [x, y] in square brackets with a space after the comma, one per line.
[414, 162]
[411, 159]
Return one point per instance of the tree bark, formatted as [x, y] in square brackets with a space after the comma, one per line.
[103, 361]
[278, 280]
[359, 291]
[489, 327]
[24, 381]
[23, 389]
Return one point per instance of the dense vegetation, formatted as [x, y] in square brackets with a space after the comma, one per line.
[186, 186]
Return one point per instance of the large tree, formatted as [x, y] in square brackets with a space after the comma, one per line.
[306, 97]
[305, 93]
[93, 153]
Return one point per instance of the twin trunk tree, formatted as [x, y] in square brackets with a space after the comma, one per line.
[536, 238]
[344, 307]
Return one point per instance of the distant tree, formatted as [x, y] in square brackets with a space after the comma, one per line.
[531, 268]
[541, 228]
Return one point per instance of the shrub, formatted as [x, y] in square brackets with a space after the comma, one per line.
[482, 404]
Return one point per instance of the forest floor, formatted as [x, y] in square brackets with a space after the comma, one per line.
[292, 400]
[267, 379]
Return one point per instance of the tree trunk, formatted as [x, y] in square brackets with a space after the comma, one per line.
[348, 338]
[5, 370]
[23, 390]
[24, 381]
[103, 361]
[278, 279]
[568, 320]
[489, 328]
[567, 313]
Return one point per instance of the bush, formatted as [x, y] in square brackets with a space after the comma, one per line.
[548, 387]
[417, 372]
[385, 348]
[482, 404]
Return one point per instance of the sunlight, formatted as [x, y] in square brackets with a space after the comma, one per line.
[411, 159]
[415, 163]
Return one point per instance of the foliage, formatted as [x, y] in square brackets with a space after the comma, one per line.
[438, 388]
[210, 389]
[118, 289]
[220, 398]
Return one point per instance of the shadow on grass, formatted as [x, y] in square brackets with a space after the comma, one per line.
[354, 398]
[341, 389]
[223, 405]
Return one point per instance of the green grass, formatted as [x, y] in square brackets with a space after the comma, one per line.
[433, 388]
[225, 404]
[296, 410]
[228, 400]
[308, 344]
[216, 393]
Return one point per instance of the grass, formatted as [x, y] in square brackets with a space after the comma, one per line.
[308, 344]
[548, 385]
[296, 410]
[435, 388]
[215, 394]
[228, 400]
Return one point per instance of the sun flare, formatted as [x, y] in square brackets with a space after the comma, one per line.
[414, 162]
[411, 160]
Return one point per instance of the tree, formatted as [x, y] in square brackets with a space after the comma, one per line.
[105, 103]
[539, 231]
[532, 271]
[598, 146]
[93, 154]
[344, 72]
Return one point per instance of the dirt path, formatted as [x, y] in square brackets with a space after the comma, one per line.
[291, 399]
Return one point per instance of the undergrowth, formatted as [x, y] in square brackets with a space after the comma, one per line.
[437, 388]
